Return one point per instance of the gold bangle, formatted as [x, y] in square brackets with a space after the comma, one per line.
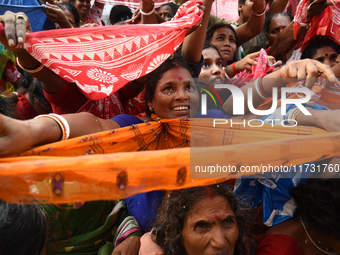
[258, 14]
[294, 115]
[56, 120]
[27, 70]
[148, 13]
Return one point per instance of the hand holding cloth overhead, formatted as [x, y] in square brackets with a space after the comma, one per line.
[101, 60]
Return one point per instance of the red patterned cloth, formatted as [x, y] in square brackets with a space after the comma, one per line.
[104, 108]
[112, 105]
[11, 75]
[95, 16]
[101, 60]
[327, 23]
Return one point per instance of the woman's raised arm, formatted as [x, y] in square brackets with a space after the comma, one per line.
[193, 43]
[303, 69]
[14, 35]
[17, 136]
[254, 25]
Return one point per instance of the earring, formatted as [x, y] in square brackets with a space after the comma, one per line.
[150, 108]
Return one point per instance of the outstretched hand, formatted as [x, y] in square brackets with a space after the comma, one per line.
[16, 25]
[308, 69]
[148, 245]
[57, 15]
[247, 62]
[136, 17]
[130, 246]
[315, 8]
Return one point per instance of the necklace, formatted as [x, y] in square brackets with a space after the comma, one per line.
[310, 238]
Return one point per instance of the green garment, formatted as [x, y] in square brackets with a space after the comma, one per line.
[5, 56]
[88, 230]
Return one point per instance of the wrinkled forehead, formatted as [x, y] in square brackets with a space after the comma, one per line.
[210, 208]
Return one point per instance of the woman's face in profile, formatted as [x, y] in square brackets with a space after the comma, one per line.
[210, 227]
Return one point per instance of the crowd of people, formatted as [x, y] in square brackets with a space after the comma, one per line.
[269, 48]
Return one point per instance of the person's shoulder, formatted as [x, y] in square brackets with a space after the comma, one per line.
[278, 244]
[125, 120]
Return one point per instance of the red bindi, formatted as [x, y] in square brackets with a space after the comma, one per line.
[179, 78]
[326, 54]
[217, 218]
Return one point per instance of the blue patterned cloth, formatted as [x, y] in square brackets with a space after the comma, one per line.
[271, 190]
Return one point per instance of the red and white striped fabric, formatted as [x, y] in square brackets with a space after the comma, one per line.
[101, 60]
